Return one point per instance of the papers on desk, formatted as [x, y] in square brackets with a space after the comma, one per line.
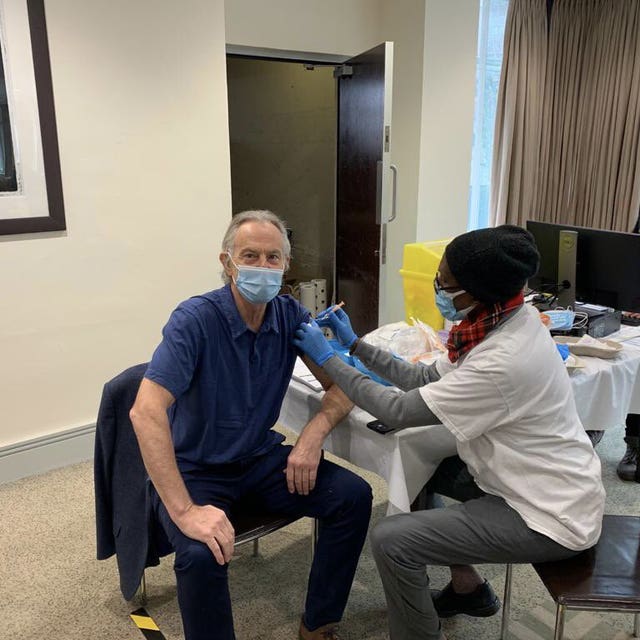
[589, 346]
[573, 362]
[301, 373]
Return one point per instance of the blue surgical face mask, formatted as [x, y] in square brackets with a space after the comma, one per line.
[446, 306]
[561, 319]
[258, 285]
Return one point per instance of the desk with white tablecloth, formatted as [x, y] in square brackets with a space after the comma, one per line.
[630, 336]
[605, 391]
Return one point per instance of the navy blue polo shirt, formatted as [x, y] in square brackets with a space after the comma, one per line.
[228, 381]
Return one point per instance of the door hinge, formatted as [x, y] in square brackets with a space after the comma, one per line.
[387, 137]
[343, 71]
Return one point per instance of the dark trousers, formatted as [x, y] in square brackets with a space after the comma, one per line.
[481, 529]
[632, 425]
[451, 479]
[340, 501]
[632, 438]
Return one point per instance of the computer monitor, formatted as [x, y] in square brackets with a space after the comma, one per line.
[607, 264]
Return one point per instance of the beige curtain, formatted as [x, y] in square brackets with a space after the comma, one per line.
[517, 134]
[580, 145]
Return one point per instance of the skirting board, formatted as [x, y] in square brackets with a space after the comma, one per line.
[48, 452]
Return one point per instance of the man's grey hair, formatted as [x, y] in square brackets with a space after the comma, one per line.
[257, 215]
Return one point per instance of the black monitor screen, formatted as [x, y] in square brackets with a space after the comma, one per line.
[607, 264]
[547, 240]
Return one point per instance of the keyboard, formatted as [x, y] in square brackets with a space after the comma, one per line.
[630, 318]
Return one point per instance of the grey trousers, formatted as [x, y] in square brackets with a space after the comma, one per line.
[482, 529]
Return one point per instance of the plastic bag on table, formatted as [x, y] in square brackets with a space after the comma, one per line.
[419, 342]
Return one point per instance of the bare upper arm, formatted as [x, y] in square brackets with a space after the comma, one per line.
[335, 402]
[152, 397]
[323, 378]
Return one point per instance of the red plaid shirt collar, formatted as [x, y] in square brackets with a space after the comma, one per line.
[475, 327]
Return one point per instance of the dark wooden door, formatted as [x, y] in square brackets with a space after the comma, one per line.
[361, 196]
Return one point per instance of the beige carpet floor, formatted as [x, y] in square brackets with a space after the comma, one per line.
[52, 587]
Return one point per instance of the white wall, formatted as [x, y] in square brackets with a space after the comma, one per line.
[140, 96]
[451, 36]
[403, 22]
[321, 26]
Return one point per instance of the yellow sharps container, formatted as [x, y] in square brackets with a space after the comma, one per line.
[419, 266]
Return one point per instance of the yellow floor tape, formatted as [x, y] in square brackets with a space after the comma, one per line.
[145, 623]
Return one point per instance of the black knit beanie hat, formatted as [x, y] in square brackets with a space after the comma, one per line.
[493, 264]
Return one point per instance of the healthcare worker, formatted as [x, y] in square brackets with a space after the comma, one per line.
[526, 475]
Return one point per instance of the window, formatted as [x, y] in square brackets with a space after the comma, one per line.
[493, 14]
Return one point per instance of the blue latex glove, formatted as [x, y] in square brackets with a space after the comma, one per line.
[338, 321]
[355, 362]
[310, 340]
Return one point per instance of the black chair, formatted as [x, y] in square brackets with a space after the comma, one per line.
[604, 578]
[125, 523]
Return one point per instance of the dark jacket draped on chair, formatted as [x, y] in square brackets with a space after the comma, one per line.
[125, 524]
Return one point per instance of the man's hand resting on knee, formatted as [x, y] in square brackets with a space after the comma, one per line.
[209, 525]
[302, 467]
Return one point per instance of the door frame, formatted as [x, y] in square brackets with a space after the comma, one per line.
[284, 55]
[330, 59]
